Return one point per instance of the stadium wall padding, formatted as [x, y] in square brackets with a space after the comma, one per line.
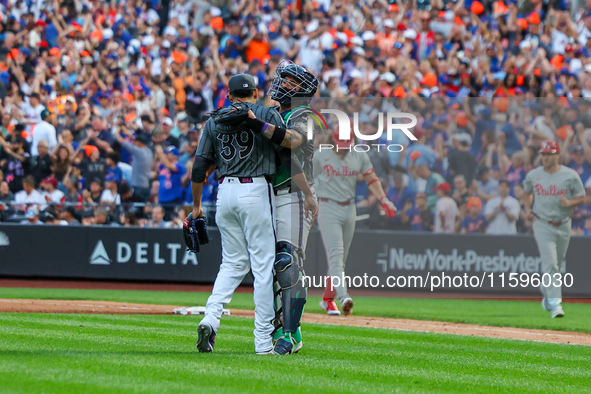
[143, 254]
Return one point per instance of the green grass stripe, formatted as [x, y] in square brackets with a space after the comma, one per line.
[108, 353]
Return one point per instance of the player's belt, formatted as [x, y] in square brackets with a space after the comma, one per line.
[243, 179]
[555, 224]
[338, 202]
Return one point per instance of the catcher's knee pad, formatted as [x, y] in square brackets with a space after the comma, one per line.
[290, 277]
[287, 267]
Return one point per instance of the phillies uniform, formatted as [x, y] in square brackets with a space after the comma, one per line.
[552, 223]
[336, 180]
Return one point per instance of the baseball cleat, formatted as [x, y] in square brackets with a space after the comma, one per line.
[330, 307]
[205, 338]
[270, 351]
[557, 312]
[297, 341]
[545, 304]
[298, 346]
[283, 346]
[347, 305]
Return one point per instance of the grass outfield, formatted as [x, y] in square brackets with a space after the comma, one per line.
[108, 353]
[525, 314]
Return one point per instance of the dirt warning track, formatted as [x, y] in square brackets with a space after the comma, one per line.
[104, 307]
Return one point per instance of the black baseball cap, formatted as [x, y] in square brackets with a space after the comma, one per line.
[69, 209]
[146, 118]
[143, 138]
[241, 82]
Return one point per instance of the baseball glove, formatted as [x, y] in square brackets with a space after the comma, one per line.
[232, 119]
[195, 233]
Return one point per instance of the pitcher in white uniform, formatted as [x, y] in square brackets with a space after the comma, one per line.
[556, 190]
[335, 171]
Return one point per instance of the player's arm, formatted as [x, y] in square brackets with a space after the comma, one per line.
[292, 164]
[578, 191]
[577, 201]
[198, 177]
[375, 186]
[573, 202]
[204, 160]
[287, 138]
[310, 203]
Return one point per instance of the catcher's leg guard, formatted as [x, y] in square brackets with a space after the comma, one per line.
[278, 306]
[289, 274]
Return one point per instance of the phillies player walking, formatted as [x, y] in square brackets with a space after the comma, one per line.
[336, 173]
[556, 190]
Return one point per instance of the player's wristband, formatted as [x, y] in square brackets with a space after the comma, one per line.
[382, 200]
[278, 135]
[257, 125]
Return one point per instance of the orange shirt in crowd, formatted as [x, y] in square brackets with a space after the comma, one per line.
[386, 42]
[257, 50]
[180, 95]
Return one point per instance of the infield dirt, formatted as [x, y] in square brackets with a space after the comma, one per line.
[104, 307]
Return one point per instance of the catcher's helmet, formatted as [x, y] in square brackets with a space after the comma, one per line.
[306, 82]
[549, 147]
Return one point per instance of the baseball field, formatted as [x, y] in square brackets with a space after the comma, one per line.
[98, 340]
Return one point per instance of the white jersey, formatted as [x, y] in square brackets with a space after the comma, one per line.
[501, 224]
[548, 188]
[56, 196]
[336, 179]
[43, 131]
[449, 207]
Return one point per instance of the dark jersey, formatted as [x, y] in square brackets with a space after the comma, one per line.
[243, 154]
[297, 119]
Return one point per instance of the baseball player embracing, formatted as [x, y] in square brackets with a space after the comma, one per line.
[296, 206]
[556, 190]
[245, 212]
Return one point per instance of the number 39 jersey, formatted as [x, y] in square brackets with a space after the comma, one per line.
[243, 154]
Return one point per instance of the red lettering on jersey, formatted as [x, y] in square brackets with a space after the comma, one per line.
[345, 171]
[553, 190]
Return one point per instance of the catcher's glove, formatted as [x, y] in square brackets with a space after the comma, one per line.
[195, 233]
[232, 119]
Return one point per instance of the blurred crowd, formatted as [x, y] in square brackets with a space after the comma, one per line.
[103, 102]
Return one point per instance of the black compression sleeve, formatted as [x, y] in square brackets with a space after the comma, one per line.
[278, 135]
[259, 126]
[256, 125]
[199, 171]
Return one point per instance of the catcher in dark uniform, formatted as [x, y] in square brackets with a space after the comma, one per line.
[293, 87]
